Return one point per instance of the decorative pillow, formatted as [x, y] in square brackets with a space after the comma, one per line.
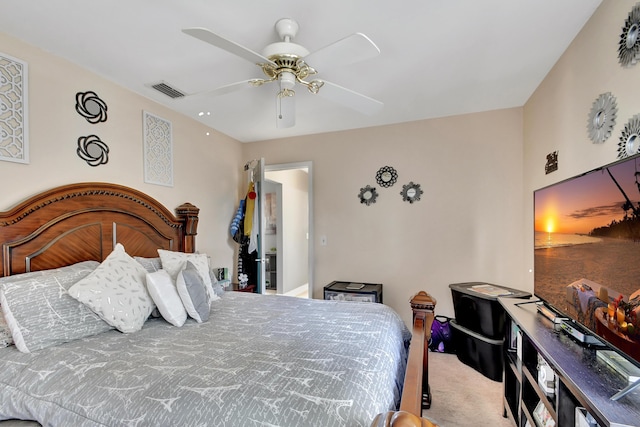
[5, 333]
[116, 292]
[175, 262]
[149, 264]
[217, 288]
[40, 313]
[81, 266]
[165, 295]
[193, 293]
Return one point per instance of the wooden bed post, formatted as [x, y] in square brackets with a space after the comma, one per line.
[188, 213]
[415, 393]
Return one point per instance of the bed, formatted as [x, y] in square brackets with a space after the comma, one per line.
[257, 360]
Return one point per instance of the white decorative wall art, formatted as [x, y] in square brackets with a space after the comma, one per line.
[14, 141]
[158, 150]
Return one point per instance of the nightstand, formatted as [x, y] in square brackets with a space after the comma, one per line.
[353, 291]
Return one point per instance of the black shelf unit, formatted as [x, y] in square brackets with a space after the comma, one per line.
[351, 291]
[580, 380]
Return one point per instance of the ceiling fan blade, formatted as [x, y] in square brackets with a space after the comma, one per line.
[285, 111]
[349, 50]
[223, 90]
[225, 44]
[349, 98]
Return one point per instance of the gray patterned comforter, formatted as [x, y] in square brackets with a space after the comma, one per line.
[259, 361]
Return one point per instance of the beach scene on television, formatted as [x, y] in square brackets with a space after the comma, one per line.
[587, 251]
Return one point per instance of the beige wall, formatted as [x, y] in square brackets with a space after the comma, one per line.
[206, 170]
[466, 227]
[555, 117]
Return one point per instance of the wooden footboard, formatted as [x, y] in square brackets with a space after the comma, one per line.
[415, 394]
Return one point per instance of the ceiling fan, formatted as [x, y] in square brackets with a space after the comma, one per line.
[289, 64]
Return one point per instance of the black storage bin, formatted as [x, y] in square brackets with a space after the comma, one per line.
[481, 353]
[477, 308]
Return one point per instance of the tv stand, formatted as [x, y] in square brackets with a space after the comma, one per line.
[546, 371]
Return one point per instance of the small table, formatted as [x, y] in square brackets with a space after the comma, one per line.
[353, 291]
[248, 288]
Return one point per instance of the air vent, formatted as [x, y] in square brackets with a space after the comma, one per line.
[168, 90]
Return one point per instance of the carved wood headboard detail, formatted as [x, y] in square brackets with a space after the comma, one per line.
[84, 221]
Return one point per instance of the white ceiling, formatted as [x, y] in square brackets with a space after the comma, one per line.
[438, 57]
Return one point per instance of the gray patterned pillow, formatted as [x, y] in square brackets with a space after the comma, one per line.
[150, 264]
[40, 313]
[193, 293]
[116, 291]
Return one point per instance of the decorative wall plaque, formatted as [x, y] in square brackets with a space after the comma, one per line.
[552, 163]
[158, 150]
[14, 141]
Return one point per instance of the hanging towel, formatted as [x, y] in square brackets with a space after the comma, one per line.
[253, 240]
[237, 219]
[248, 214]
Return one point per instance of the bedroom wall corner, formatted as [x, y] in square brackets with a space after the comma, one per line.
[555, 116]
[464, 228]
[205, 167]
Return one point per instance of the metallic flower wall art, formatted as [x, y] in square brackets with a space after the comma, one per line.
[629, 45]
[630, 138]
[602, 118]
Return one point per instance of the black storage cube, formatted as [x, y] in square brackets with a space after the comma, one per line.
[477, 308]
[481, 353]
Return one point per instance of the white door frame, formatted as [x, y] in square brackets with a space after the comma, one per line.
[309, 166]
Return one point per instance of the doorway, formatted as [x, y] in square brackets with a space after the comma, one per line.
[289, 232]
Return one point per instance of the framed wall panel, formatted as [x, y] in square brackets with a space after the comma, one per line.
[14, 129]
[158, 150]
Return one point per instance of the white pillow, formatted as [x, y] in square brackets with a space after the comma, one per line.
[116, 292]
[165, 295]
[175, 262]
[193, 293]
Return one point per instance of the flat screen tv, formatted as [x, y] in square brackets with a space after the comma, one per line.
[587, 251]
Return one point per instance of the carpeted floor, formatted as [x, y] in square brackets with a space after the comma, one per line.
[461, 396]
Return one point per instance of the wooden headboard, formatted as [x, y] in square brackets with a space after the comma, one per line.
[84, 221]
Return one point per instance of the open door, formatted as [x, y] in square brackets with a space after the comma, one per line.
[249, 232]
[260, 202]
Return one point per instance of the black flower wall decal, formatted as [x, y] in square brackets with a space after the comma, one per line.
[91, 107]
[92, 150]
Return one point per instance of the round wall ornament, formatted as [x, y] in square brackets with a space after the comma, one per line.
[91, 107]
[602, 118]
[630, 139]
[629, 45]
[368, 195]
[92, 150]
[411, 192]
[386, 176]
